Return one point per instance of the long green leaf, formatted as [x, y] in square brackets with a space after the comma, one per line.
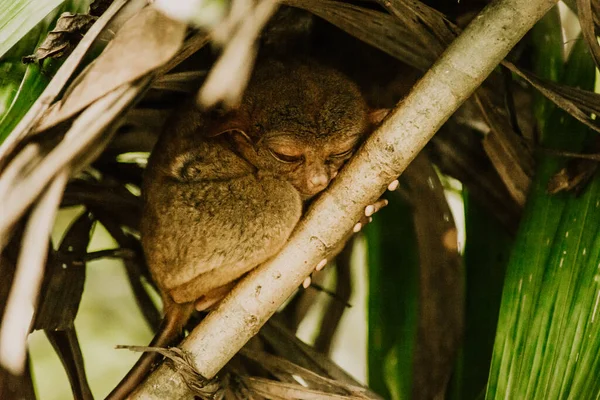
[487, 248]
[393, 295]
[548, 46]
[548, 339]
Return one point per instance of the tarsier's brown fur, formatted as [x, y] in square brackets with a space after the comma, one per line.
[223, 194]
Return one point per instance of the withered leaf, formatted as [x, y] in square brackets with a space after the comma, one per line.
[577, 102]
[375, 28]
[578, 171]
[98, 7]
[60, 41]
[573, 177]
[507, 152]
[588, 30]
[65, 276]
[441, 295]
[147, 41]
[66, 345]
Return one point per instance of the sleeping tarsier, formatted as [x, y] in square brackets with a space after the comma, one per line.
[223, 194]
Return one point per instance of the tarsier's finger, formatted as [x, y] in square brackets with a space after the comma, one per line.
[361, 224]
[321, 264]
[306, 282]
[394, 185]
[373, 208]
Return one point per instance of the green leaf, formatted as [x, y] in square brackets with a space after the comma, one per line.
[548, 339]
[487, 249]
[19, 17]
[20, 84]
[547, 40]
[393, 294]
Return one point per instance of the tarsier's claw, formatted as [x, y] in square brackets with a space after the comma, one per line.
[394, 185]
[321, 264]
[306, 282]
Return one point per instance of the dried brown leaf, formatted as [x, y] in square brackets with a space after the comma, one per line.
[65, 277]
[568, 179]
[147, 41]
[61, 40]
[506, 150]
[66, 345]
[25, 288]
[279, 390]
[82, 140]
[98, 7]
[588, 29]
[579, 103]
[378, 29]
[183, 82]
[431, 26]
[16, 386]
[229, 76]
[441, 295]
[287, 345]
[275, 364]
[56, 86]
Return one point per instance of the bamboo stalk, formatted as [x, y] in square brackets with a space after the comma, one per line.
[454, 77]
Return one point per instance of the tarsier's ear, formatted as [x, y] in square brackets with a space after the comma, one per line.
[232, 122]
[376, 116]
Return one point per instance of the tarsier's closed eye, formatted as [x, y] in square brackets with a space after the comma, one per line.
[342, 154]
[286, 158]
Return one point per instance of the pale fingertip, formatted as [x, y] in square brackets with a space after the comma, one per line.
[357, 227]
[306, 282]
[385, 202]
[369, 210]
[394, 185]
[370, 219]
[321, 265]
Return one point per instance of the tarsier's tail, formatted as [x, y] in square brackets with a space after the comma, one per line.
[176, 316]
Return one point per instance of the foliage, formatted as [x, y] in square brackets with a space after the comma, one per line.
[524, 304]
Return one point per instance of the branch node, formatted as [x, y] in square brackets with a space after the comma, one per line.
[182, 362]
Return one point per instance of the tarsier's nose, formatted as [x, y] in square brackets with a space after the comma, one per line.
[318, 182]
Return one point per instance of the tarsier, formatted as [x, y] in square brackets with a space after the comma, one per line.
[222, 194]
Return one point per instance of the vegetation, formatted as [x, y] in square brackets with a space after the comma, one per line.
[511, 314]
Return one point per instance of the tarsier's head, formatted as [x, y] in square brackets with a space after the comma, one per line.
[301, 123]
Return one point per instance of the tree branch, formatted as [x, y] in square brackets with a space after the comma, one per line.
[389, 150]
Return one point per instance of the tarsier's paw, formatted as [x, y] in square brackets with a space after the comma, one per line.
[370, 210]
[319, 267]
[373, 208]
